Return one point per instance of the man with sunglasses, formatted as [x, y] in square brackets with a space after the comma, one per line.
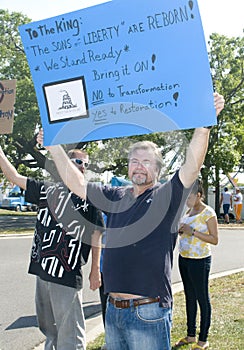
[66, 228]
[80, 163]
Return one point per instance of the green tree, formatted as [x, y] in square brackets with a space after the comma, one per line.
[111, 155]
[20, 145]
[226, 56]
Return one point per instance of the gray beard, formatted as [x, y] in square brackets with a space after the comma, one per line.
[140, 182]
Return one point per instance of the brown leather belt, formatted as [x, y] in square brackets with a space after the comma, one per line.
[125, 303]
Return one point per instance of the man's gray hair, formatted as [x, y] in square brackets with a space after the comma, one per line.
[148, 146]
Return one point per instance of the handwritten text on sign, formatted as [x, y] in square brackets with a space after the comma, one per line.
[7, 100]
[119, 69]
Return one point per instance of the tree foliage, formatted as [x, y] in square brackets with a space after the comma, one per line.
[226, 56]
[14, 65]
[111, 155]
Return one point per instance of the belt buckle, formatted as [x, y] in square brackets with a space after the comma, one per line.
[123, 304]
[120, 304]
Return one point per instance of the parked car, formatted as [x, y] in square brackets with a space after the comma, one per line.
[16, 201]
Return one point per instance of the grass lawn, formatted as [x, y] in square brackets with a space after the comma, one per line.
[5, 212]
[16, 213]
[226, 332]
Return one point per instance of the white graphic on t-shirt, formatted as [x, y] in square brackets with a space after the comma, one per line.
[61, 228]
[44, 217]
[83, 206]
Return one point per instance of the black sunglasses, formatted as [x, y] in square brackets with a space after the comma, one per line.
[80, 162]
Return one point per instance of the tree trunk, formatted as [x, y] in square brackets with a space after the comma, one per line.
[204, 174]
[217, 187]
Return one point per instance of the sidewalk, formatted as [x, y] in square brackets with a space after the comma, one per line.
[94, 325]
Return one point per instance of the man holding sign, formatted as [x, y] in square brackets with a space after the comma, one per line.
[142, 227]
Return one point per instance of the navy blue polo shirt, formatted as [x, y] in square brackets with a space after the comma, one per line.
[141, 234]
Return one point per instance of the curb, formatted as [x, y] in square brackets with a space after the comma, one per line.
[94, 324]
[31, 233]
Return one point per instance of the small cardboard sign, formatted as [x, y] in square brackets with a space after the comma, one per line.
[120, 68]
[7, 101]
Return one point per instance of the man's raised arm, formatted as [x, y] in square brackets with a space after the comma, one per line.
[10, 172]
[198, 148]
[70, 175]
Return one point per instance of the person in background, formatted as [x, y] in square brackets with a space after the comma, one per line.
[237, 198]
[66, 227]
[226, 200]
[141, 232]
[198, 230]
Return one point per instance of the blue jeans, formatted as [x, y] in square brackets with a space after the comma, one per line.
[144, 327]
[195, 278]
[226, 208]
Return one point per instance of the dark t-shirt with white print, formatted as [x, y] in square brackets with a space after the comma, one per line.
[63, 231]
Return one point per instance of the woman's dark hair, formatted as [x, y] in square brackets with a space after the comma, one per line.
[198, 188]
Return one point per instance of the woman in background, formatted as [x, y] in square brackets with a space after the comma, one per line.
[238, 204]
[198, 230]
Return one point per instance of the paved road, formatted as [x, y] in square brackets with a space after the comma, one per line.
[227, 255]
[18, 329]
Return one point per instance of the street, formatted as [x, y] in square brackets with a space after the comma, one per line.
[18, 328]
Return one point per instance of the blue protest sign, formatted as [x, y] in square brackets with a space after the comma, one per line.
[120, 68]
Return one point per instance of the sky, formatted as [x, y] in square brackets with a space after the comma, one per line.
[221, 16]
